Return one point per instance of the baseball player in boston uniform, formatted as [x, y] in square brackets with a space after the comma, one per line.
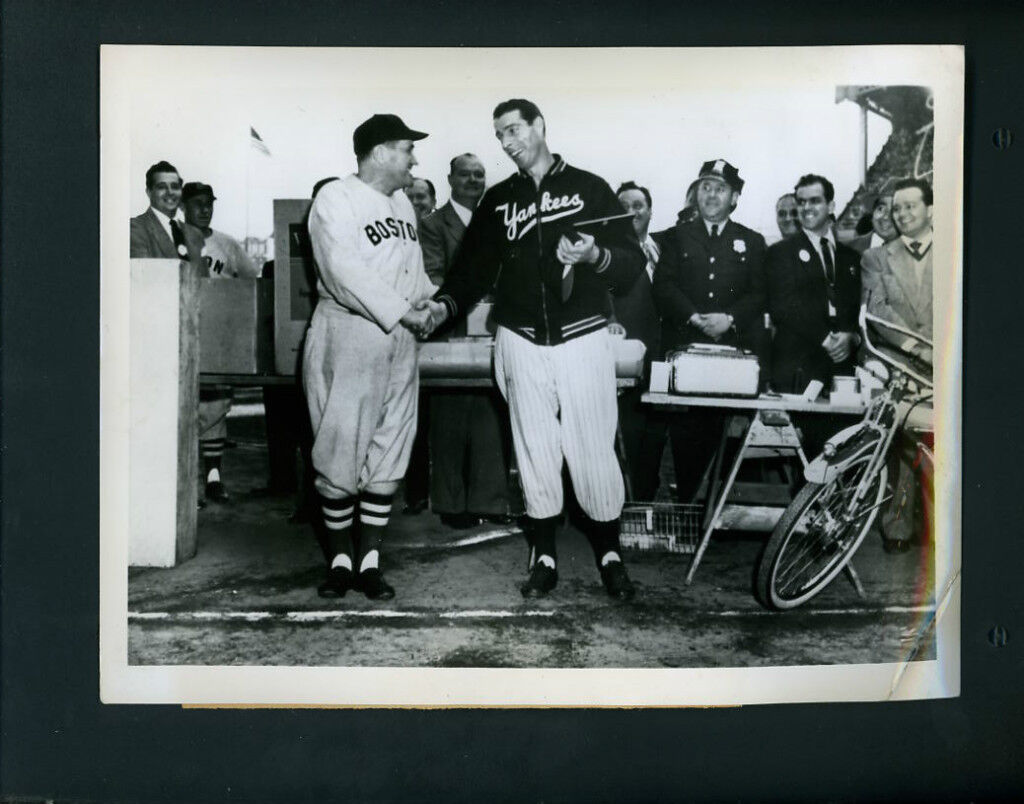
[359, 361]
[553, 359]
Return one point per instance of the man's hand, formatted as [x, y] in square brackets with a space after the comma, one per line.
[839, 345]
[716, 324]
[713, 325]
[424, 317]
[438, 312]
[417, 321]
[583, 250]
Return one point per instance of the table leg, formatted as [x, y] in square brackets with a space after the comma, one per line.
[851, 573]
[716, 499]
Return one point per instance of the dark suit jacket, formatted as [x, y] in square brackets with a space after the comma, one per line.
[637, 312]
[440, 234]
[699, 275]
[149, 240]
[798, 303]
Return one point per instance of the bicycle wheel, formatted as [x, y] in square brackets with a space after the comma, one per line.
[817, 536]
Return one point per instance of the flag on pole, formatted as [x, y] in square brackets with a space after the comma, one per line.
[257, 142]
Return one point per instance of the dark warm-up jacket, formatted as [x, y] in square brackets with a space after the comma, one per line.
[512, 239]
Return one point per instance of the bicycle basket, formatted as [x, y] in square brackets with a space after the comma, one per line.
[661, 526]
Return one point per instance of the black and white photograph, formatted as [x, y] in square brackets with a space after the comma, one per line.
[530, 377]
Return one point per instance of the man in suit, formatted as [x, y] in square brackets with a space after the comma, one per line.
[898, 288]
[814, 291]
[159, 232]
[709, 287]
[898, 274]
[468, 438]
[643, 429]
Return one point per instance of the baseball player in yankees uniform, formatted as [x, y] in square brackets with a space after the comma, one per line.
[553, 359]
[359, 360]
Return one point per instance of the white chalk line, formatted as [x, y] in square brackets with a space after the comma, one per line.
[860, 610]
[330, 615]
[461, 614]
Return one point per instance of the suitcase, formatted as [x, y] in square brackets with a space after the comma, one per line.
[710, 369]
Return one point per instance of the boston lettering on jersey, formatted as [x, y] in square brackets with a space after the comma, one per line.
[378, 231]
[519, 221]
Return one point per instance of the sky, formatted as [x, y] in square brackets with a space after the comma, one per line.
[651, 116]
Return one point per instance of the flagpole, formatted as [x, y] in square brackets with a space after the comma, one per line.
[248, 170]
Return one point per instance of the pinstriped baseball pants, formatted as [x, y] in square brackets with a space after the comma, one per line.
[562, 403]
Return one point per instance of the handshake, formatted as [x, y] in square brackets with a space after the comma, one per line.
[424, 317]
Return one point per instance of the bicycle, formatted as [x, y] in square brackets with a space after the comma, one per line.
[827, 520]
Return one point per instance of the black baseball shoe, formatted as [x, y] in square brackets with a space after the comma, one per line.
[541, 581]
[339, 581]
[373, 585]
[215, 491]
[616, 581]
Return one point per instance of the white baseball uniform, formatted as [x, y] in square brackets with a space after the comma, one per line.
[224, 258]
[359, 364]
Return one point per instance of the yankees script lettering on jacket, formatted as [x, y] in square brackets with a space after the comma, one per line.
[512, 241]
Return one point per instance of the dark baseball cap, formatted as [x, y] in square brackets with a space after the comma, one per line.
[382, 128]
[720, 169]
[196, 188]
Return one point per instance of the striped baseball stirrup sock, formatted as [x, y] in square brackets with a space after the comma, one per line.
[374, 513]
[211, 451]
[339, 516]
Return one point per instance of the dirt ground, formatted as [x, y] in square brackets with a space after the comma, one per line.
[249, 598]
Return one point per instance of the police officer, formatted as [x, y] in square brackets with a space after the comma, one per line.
[709, 288]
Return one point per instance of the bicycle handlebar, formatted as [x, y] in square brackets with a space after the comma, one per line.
[862, 319]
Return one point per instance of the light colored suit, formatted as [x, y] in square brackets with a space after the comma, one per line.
[893, 292]
[896, 295]
[150, 240]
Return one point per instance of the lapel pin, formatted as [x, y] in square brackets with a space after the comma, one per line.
[804, 256]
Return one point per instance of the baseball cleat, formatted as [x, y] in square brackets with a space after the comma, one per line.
[373, 585]
[616, 581]
[339, 581]
[541, 581]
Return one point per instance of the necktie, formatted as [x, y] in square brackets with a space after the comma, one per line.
[714, 231]
[915, 249]
[567, 281]
[179, 239]
[652, 258]
[830, 266]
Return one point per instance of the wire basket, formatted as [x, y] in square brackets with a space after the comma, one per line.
[662, 526]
